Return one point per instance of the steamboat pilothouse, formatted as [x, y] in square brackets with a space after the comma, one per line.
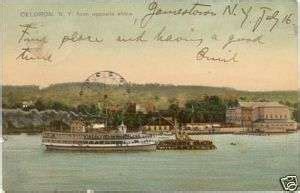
[88, 139]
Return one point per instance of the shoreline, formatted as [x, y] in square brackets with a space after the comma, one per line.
[191, 134]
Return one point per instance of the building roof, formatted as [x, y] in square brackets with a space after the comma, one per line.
[260, 104]
[275, 121]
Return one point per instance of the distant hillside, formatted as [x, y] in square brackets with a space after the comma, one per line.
[159, 95]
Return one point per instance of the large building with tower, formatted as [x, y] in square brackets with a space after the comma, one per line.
[270, 117]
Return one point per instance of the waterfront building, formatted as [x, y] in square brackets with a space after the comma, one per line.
[202, 127]
[98, 127]
[157, 128]
[160, 125]
[261, 117]
[233, 116]
[77, 126]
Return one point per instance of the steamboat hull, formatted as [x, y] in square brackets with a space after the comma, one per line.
[148, 147]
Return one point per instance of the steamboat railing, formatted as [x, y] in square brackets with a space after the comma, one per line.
[91, 138]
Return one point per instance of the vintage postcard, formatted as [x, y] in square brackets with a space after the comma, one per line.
[149, 95]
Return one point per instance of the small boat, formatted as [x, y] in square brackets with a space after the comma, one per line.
[232, 143]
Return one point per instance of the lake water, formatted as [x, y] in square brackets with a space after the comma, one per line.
[255, 163]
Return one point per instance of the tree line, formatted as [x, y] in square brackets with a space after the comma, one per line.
[206, 109]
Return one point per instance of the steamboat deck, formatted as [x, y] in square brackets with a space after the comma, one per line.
[98, 141]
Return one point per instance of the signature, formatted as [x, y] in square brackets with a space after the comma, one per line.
[202, 54]
[231, 40]
[155, 9]
[35, 46]
[77, 37]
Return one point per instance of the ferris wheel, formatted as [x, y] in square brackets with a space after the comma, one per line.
[104, 82]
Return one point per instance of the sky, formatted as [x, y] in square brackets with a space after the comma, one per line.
[268, 65]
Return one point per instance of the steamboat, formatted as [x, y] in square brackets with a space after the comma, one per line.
[83, 139]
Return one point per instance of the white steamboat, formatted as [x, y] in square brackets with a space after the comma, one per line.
[82, 140]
